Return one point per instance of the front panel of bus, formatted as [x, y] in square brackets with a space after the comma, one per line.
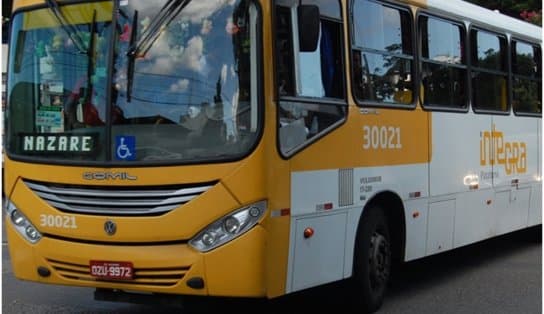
[135, 147]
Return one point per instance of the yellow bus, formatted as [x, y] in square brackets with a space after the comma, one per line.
[251, 148]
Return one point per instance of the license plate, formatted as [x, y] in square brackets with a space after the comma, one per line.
[111, 270]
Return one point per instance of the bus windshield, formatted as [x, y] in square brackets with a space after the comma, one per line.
[158, 81]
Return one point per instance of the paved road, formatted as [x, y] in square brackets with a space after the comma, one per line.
[502, 275]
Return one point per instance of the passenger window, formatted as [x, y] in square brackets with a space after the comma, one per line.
[443, 65]
[310, 84]
[527, 78]
[320, 70]
[489, 74]
[301, 122]
[382, 54]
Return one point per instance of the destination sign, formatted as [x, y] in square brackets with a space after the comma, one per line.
[55, 143]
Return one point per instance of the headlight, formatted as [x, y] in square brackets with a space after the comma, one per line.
[229, 227]
[22, 224]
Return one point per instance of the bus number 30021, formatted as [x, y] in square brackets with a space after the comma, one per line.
[58, 221]
[384, 137]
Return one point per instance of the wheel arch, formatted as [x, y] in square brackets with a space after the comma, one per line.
[393, 207]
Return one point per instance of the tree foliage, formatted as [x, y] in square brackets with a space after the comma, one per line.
[527, 10]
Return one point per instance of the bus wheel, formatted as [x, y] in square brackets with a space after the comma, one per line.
[372, 266]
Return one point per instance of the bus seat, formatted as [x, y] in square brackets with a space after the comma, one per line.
[403, 96]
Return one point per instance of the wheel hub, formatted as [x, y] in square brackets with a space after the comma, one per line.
[379, 260]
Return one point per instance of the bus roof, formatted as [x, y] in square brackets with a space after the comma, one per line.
[486, 17]
[460, 8]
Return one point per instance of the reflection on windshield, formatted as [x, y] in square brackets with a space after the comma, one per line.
[192, 85]
[193, 93]
[55, 89]
[70, 30]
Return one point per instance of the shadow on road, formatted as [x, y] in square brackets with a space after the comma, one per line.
[434, 270]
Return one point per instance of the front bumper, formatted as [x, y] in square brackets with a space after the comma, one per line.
[234, 269]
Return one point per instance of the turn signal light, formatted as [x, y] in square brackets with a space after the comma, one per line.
[308, 233]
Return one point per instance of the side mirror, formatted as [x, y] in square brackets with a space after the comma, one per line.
[308, 27]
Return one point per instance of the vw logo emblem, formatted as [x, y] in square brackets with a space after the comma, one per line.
[110, 227]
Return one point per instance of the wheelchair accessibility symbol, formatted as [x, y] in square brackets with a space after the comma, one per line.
[125, 147]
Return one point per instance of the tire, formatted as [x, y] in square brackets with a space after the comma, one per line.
[372, 264]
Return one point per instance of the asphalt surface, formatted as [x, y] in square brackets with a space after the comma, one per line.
[502, 275]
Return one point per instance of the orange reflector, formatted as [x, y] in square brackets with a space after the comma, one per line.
[308, 233]
[280, 212]
[414, 194]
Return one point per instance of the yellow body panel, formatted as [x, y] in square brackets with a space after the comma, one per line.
[236, 269]
[17, 4]
[82, 13]
[177, 224]
[171, 226]
[412, 135]
[232, 269]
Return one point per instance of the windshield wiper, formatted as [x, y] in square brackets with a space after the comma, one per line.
[166, 15]
[70, 30]
[161, 21]
[130, 66]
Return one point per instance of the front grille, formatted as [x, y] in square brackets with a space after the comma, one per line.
[168, 276]
[114, 200]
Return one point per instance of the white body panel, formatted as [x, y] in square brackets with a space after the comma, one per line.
[455, 161]
[483, 179]
[440, 226]
[492, 188]
[328, 255]
[515, 132]
[458, 198]
[535, 209]
[325, 246]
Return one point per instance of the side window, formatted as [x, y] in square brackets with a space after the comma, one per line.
[382, 53]
[527, 78]
[320, 71]
[443, 64]
[310, 84]
[489, 71]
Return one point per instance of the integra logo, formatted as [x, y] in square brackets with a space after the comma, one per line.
[108, 176]
[494, 150]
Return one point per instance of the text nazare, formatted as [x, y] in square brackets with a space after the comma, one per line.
[57, 143]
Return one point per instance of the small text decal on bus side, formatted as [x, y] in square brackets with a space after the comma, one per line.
[381, 137]
[512, 155]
